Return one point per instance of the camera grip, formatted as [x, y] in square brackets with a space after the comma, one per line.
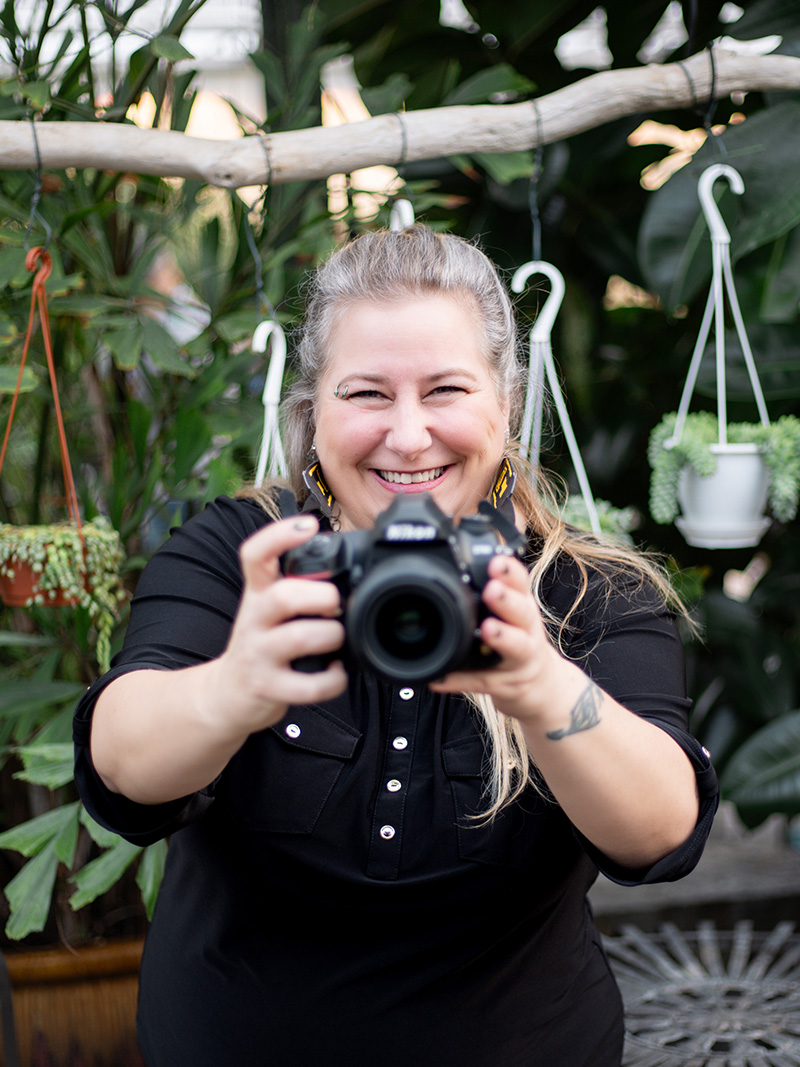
[313, 663]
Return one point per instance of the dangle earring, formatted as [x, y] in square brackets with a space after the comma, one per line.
[318, 488]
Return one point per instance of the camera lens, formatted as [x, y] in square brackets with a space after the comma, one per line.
[409, 626]
[411, 618]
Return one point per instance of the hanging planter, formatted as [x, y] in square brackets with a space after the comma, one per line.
[711, 478]
[66, 564]
[717, 494]
[63, 565]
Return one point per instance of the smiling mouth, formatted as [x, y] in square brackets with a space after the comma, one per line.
[412, 477]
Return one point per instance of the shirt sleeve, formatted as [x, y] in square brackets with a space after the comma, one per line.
[181, 615]
[627, 641]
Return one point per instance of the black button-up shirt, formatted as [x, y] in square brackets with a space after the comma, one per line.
[332, 897]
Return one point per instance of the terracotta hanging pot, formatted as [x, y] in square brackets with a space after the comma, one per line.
[22, 588]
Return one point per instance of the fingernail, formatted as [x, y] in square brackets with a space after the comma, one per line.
[306, 522]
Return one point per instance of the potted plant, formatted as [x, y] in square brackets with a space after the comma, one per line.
[716, 493]
[63, 564]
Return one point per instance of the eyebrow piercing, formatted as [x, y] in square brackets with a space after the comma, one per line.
[341, 392]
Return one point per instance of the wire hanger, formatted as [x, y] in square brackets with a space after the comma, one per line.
[271, 455]
[721, 282]
[541, 359]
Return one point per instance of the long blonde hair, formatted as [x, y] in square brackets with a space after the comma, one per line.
[383, 266]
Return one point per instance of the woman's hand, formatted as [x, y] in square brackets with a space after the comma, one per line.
[279, 619]
[529, 664]
[160, 735]
[619, 778]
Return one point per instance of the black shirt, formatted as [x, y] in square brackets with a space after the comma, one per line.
[331, 900]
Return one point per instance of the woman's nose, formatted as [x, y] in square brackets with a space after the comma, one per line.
[408, 432]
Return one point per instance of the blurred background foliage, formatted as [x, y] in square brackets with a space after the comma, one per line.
[159, 284]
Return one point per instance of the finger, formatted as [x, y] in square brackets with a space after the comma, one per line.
[292, 598]
[304, 637]
[260, 553]
[510, 570]
[512, 605]
[303, 688]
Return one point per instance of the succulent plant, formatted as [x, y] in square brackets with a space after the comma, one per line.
[69, 567]
[780, 442]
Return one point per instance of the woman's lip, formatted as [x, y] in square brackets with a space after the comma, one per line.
[411, 487]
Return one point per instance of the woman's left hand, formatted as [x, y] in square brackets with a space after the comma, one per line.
[529, 663]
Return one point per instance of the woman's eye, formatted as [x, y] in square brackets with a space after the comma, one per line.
[448, 390]
[366, 394]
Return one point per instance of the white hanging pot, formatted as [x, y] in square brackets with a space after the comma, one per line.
[725, 509]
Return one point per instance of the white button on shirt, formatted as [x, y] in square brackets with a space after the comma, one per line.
[400, 743]
[394, 786]
[292, 730]
[406, 693]
[387, 832]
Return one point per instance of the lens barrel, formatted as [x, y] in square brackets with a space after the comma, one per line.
[411, 618]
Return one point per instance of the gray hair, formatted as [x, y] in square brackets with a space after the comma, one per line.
[385, 266]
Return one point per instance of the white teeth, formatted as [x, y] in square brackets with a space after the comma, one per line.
[407, 478]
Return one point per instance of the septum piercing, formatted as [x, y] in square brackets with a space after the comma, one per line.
[341, 393]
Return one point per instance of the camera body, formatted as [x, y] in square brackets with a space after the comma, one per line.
[411, 589]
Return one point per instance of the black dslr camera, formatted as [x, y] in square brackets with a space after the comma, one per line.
[411, 588]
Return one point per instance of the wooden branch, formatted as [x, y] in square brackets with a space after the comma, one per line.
[300, 155]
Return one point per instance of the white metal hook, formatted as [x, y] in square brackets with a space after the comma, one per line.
[541, 353]
[545, 320]
[402, 215]
[271, 447]
[705, 191]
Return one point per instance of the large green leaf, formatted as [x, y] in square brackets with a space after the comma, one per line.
[50, 765]
[150, 874]
[9, 376]
[102, 837]
[780, 300]
[29, 894]
[674, 243]
[99, 875]
[31, 836]
[491, 82]
[19, 697]
[763, 776]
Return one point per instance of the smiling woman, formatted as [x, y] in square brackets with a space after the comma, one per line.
[369, 869]
[420, 412]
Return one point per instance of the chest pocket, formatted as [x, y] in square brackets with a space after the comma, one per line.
[514, 837]
[281, 779]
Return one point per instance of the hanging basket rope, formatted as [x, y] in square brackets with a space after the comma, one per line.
[42, 258]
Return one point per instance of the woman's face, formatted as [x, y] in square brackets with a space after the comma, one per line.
[420, 411]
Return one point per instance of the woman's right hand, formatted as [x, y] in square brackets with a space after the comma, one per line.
[158, 735]
[278, 620]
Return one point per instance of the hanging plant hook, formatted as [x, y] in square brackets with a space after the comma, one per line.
[271, 452]
[721, 283]
[541, 356]
[402, 215]
[705, 191]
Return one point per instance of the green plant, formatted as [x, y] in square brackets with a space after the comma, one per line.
[780, 442]
[65, 564]
[763, 775]
[618, 522]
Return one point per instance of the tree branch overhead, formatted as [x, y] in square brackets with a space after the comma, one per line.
[302, 155]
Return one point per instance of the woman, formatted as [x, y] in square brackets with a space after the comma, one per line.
[362, 871]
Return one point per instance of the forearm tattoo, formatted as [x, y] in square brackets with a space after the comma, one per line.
[584, 715]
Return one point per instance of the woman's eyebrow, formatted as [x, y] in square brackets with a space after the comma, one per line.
[381, 379]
